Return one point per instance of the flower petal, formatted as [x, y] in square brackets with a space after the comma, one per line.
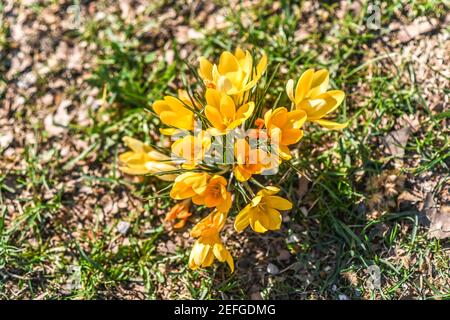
[227, 107]
[213, 97]
[242, 219]
[278, 203]
[290, 90]
[227, 63]
[205, 70]
[273, 219]
[331, 125]
[214, 116]
[303, 85]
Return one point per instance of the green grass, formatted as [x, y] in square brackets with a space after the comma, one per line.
[334, 241]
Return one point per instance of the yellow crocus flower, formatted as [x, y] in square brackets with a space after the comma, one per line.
[209, 245]
[192, 149]
[203, 189]
[143, 159]
[311, 96]
[215, 195]
[173, 112]
[262, 213]
[222, 113]
[234, 74]
[189, 184]
[286, 127]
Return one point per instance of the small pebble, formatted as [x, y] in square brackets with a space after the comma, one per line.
[122, 227]
[272, 269]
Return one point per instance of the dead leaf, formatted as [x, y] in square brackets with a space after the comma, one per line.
[418, 27]
[439, 219]
[396, 141]
[405, 199]
[440, 223]
[302, 187]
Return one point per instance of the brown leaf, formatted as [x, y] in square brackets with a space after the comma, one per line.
[396, 141]
[418, 27]
[406, 199]
[440, 219]
[302, 187]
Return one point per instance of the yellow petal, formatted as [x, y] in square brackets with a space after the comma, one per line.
[331, 125]
[241, 174]
[227, 63]
[160, 106]
[214, 116]
[257, 226]
[291, 136]
[278, 203]
[290, 90]
[169, 131]
[227, 107]
[284, 152]
[222, 254]
[156, 155]
[209, 258]
[277, 117]
[273, 219]
[225, 205]
[268, 191]
[134, 170]
[303, 85]
[298, 117]
[245, 111]
[136, 145]
[213, 97]
[239, 53]
[317, 108]
[177, 106]
[319, 83]
[261, 67]
[177, 120]
[242, 219]
[338, 96]
[205, 70]
[224, 85]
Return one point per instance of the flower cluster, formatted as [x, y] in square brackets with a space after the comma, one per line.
[224, 138]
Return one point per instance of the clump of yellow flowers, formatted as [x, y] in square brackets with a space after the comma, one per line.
[224, 138]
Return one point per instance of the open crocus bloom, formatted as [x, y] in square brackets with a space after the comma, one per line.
[311, 96]
[143, 159]
[176, 112]
[209, 245]
[203, 189]
[215, 195]
[189, 184]
[221, 112]
[262, 212]
[285, 127]
[234, 74]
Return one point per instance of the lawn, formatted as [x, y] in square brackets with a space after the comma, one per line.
[371, 216]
